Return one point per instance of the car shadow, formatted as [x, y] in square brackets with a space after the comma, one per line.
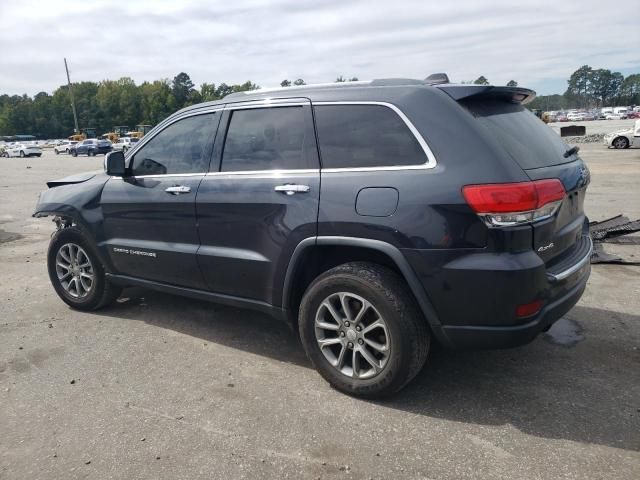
[587, 392]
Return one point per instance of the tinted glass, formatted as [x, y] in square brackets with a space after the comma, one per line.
[352, 136]
[269, 139]
[524, 136]
[182, 147]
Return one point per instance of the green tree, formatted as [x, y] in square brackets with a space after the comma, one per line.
[580, 86]
[340, 79]
[512, 83]
[208, 92]
[182, 88]
[285, 83]
[299, 82]
[481, 80]
[630, 90]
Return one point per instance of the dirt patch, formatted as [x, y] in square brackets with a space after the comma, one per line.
[6, 237]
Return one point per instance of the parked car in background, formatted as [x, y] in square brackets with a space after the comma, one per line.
[64, 147]
[91, 147]
[624, 138]
[575, 116]
[562, 117]
[23, 150]
[124, 144]
[614, 116]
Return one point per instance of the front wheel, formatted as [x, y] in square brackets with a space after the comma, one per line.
[91, 153]
[76, 273]
[620, 142]
[21, 154]
[362, 330]
[74, 153]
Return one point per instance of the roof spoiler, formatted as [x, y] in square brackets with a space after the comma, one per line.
[509, 94]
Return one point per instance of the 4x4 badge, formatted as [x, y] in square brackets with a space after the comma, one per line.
[544, 248]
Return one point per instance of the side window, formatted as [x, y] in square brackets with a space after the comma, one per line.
[182, 147]
[352, 136]
[275, 138]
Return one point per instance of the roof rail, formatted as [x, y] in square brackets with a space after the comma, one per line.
[434, 79]
[299, 87]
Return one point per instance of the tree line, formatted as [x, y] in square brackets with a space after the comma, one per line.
[102, 105]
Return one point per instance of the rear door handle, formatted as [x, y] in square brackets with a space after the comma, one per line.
[291, 189]
[177, 190]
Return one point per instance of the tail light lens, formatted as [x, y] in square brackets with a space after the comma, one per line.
[503, 204]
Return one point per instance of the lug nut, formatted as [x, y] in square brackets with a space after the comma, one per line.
[350, 345]
[360, 341]
[358, 328]
[342, 334]
[346, 324]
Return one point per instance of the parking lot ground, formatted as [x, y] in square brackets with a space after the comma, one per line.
[165, 387]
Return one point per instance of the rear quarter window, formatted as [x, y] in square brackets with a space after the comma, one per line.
[356, 136]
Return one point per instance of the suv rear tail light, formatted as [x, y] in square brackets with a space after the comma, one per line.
[504, 204]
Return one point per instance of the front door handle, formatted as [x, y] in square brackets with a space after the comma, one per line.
[291, 189]
[177, 190]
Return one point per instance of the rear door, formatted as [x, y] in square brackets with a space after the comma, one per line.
[260, 199]
[542, 154]
[149, 215]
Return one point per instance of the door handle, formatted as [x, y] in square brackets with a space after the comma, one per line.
[291, 189]
[177, 190]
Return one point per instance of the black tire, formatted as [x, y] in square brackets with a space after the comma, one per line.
[74, 153]
[57, 152]
[102, 292]
[620, 143]
[91, 153]
[21, 154]
[408, 335]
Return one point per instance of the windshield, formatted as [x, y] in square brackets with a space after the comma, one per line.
[524, 136]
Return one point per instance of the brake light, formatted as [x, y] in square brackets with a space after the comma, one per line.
[502, 204]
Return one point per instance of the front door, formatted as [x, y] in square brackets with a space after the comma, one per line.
[260, 200]
[149, 214]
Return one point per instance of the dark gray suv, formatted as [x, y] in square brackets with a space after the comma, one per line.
[373, 217]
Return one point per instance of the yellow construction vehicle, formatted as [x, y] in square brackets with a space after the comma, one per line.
[141, 131]
[83, 135]
[116, 134]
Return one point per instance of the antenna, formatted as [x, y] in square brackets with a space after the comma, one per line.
[73, 105]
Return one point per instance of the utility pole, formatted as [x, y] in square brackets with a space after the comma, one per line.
[73, 105]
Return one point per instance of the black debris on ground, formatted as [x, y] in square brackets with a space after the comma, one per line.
[610, 231]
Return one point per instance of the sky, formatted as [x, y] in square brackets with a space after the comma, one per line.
[538, 44]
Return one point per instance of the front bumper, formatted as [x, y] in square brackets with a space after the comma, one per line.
[475, 295]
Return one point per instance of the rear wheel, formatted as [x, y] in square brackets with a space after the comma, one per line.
[620, 142]
[21, 154]
[76, 273]
[56, 150]
[362, 330]
[91, 153]
[74, 153]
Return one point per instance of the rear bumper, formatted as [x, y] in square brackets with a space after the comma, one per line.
[482, 337]
[476, 293]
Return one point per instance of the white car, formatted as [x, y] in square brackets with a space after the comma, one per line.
[624, 138]
[575, 117]
[63, 147]
[124, 144]
[23, 150]
[613, 116]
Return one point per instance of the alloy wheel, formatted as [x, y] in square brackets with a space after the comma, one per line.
[74, 270]
[352, 335]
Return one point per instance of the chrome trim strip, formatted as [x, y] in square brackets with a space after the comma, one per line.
[273, 173]
[575, 267]
[431, 159]
[165, 175]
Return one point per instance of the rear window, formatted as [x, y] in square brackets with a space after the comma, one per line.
[353, 136]
[526, 138]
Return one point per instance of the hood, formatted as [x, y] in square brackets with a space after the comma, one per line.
[77, 178]
[626, 131]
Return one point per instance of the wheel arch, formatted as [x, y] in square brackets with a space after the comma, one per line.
[325, 252]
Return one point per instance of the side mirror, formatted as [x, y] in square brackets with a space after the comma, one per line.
[114, 164]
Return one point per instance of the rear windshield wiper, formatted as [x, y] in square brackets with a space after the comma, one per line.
[571, 151]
